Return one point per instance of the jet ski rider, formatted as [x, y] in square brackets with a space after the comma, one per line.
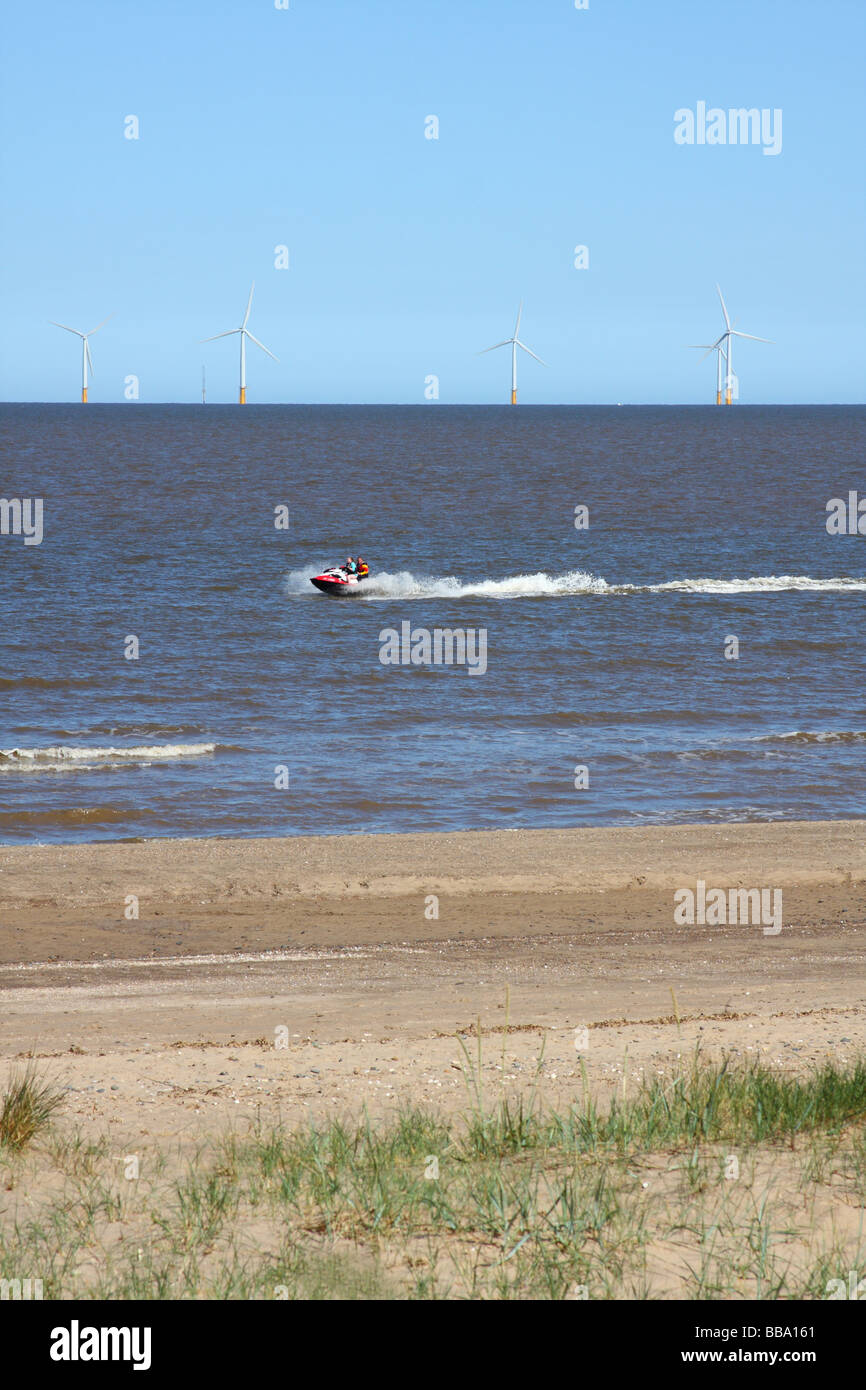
[350, 567]
[363, 568]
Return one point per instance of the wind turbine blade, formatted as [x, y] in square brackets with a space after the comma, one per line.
[68, 330]
[99, 325]
[89, 358]
[261, 345]
[228, 334]
[724, 308]
[529, 350]
[249, 302]
[505, 342]
[519, 313]
[710, 347]
[737, 334]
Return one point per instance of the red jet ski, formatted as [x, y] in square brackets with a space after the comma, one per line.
[338, 582]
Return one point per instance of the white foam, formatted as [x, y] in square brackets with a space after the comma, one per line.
[814, 736]
[761, 584]
[540, 585]
[66, 759]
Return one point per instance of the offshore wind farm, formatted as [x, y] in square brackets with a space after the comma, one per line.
[722, 347]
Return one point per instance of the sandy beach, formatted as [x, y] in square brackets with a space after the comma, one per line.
[270, 983]
[329, 946]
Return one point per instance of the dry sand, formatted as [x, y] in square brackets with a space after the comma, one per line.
[168, 1026]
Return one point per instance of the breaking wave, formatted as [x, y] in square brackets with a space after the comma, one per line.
[77, 759]
[405, 585]
[806, 736]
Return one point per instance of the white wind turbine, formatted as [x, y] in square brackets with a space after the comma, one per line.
[515, 343]
[720, 353]
[86, 359]
[727, 338]
[245, 333]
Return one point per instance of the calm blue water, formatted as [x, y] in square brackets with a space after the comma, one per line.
[605, 647]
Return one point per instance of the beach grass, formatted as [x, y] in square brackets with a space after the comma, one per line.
[721, 1181]
[28, 1104]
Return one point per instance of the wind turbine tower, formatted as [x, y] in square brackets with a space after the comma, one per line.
[514, 343]
[727, 339]
[720, 353]
[86, 359]
[244, 334]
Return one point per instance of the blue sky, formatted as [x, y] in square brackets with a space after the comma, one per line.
[305, 127]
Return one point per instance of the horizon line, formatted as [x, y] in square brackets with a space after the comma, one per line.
[425, 405]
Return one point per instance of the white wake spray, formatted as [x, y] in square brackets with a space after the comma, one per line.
[405, 585]
[763, 584]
